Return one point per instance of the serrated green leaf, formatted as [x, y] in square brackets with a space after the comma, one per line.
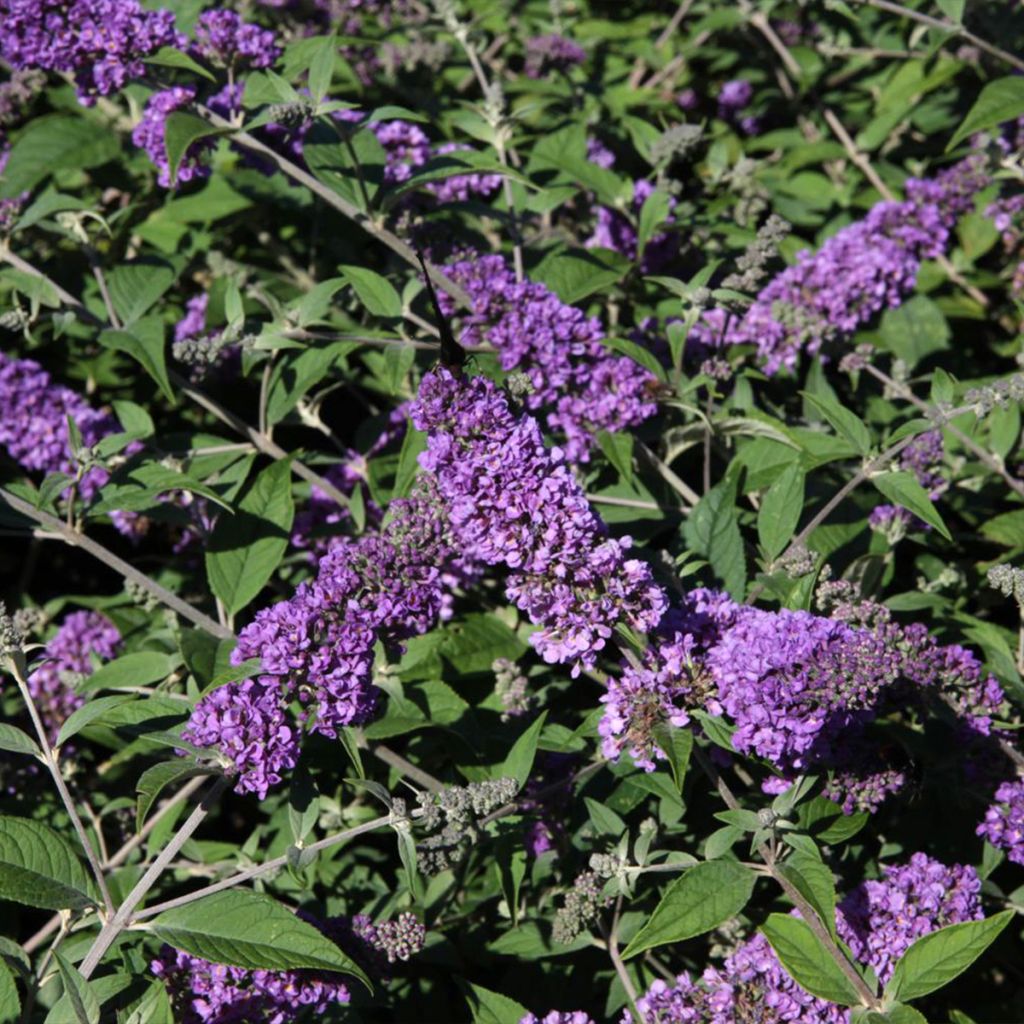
[999, 101]
[813, 880]
[81, 1000]
[807, 961]
[181, 130]
[145, 344]
[247, 547]
[39, 868]
[490, 1007]
[935, 960]
[376, 293]
[846, 424]
[248, 929]
[519, 762]
[155, 779]
[15, 741]
[901, 488]
[706, 895]
[82, 716]
[780, 511]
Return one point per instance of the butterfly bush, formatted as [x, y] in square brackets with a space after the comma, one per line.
[579, 385]
[864, 268]
[208, 993]
[513, 501]
[82, 639]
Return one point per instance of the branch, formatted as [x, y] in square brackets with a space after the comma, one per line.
[344, 207]
[76, 539]
[110, 931]
[807, 912]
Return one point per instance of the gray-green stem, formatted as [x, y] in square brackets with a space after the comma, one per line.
[52, 762]
[113, 928]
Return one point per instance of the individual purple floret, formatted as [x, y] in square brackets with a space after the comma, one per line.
[558, 1017]
[512, 501]
[1003, 826]
[462, 187]
[224, 38]
[880, 920]
[148, 134]
[202, 992]
[34, 415]
[580, 385]
[69, 658]
[100, 42]
[545, 54]
[862, 269]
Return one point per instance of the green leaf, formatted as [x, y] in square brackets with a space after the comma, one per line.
[519, 762]
[135, 287]
[140, 668]
[808, 962]
[80, 997]
[158, 777]
[708, 894]
[181, 130]
[474, 643]
[901, 488]
[812, 878]
[618, 449]
[952, 9]
[248, 929]
[1001, 100]
[376, 293]
[780, 510]
[713, 531]
[676, 744]
[54, 142]
[169, 57]
[321, 66]
[490, 1007]
[39, 868]
[915, 329]
[153, 1008]
[15, 741]
[303, 804]
[845, 423]
[653, 215]
[82, 716]
[10, 1004]
[413, 444]
[145, 344]
[936, 959]
[247, 547]
[605, 820]
[574, 275]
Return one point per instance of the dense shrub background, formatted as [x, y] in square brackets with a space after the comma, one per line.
[559, 659]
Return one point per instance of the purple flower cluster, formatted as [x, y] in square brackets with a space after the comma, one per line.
[512, 501]
[100, 42]
[34, 415]
[69, 658]
[879, 921]
[559, 1017]
[224, 38]
[864, 268]
[545, 54]
[207, 993]
[149, 133]
[317, 647]
[580, 384]
[1003, 826]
